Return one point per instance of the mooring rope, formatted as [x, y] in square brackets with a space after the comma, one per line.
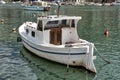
[101, 55]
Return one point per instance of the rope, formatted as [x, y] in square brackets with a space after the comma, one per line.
[101, 55]
[68, 59]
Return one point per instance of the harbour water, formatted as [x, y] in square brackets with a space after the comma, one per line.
[17, 63]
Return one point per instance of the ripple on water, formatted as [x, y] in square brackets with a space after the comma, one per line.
[109, 72]
[15, 69]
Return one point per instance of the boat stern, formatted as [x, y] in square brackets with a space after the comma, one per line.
[88, 62]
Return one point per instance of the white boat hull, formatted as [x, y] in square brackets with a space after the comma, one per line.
[77, 53]
[77, 57]
[55, 55]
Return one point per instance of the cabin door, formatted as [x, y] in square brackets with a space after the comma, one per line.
[55, 36]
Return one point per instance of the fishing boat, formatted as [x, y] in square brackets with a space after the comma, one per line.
[55, 37]
[36, 5]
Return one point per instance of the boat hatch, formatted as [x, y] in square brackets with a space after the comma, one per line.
[55, 36]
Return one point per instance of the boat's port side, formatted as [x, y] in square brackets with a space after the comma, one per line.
[81, 56]
[55, 38]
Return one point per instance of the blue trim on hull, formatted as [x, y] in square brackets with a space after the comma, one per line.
[53, 52]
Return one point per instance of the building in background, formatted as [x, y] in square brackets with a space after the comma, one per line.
[71, 1]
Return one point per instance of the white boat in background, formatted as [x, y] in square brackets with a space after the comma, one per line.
[2, 2]
[98, 4]
[116, 3]
[53, 3]
[55, 38]
[37, 5]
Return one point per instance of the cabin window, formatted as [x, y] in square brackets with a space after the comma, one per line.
[51, 24]
[39, 26]
[73, 23]
[27, 31]
[33, 34]
[64, 22]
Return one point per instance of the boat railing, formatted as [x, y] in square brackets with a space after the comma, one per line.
[29, 24]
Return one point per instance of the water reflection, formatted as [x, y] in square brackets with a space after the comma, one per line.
[49, 70]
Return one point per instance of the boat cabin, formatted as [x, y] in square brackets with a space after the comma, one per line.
[56, 30]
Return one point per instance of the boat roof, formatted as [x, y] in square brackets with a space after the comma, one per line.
[61, 17]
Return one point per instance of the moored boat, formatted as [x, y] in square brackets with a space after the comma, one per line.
[54, 37]
[37, 5]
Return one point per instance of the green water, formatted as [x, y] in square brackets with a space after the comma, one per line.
[17, 63]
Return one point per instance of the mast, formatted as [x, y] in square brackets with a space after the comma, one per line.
[58, 10]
